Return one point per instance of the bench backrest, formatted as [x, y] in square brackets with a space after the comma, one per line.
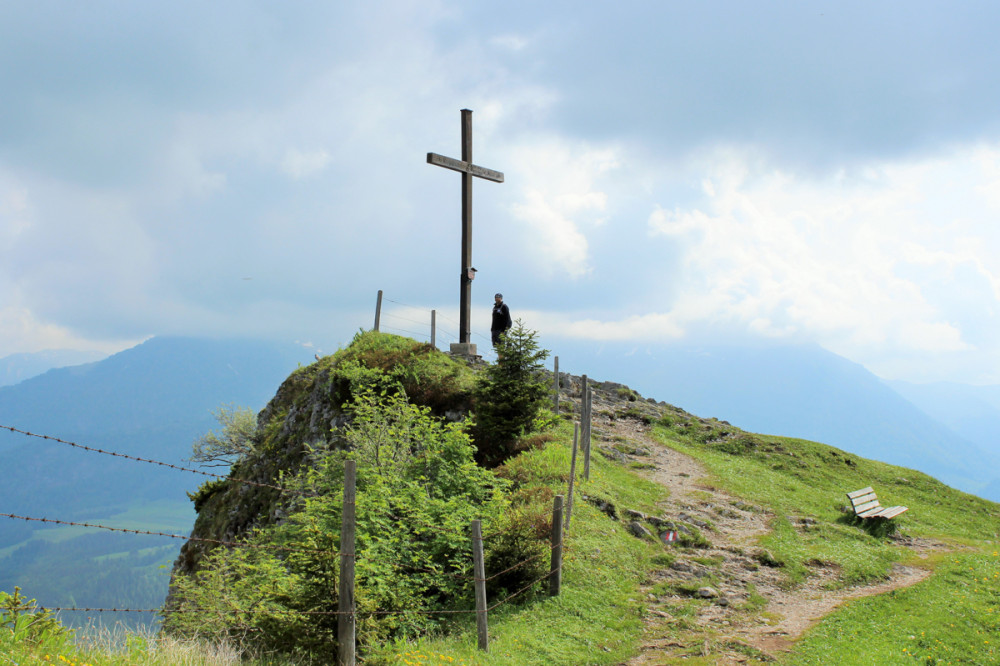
[863, 500]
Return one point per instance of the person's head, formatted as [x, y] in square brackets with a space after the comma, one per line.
[498, 298]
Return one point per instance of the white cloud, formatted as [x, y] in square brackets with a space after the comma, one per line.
[21, 331]
[873, 264]
[298, 164]
[561, 200]
[658, 327]
[510, 42]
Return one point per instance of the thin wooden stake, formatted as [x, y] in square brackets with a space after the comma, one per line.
[378, 309]
[585, 427]
[572, 474]
[555, 399]
[346, 620]
[479, 573]
[433, 328]
[555, 568]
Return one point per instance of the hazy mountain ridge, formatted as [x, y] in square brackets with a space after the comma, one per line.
[18, 367]
[799, 391]
[150, 401]
[971, 411]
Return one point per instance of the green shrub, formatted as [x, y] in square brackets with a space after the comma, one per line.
[510, 396]
[30, 625]
[418, 490]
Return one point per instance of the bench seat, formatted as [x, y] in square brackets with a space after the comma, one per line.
[866, 505]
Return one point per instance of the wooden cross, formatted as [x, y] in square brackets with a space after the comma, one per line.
[468, 170]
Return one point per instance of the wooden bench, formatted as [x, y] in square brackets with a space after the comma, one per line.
[866, 505]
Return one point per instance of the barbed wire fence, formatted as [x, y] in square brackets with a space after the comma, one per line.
[407, 317]
[347, 613]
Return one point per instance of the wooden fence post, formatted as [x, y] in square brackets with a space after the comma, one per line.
[585, 428]
[479, 573]
[556, 398]
[433, 328]
[378, 308]
[555, 568]
[346, 620]
[572, 474]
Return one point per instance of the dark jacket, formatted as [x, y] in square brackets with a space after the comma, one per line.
[501, 317]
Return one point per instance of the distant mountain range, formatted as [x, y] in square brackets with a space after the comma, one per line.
[971, 411]
[18, 367]
[807, 392]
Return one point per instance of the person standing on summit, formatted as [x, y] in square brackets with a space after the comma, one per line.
[501, 319]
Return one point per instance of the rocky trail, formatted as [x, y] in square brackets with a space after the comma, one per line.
[747, 612]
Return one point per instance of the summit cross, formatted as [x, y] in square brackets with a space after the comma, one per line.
[468, 170]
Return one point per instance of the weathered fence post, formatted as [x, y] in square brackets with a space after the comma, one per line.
[585, 427]
[345, 619]
[479, 574]
[555, 568]
[433, 328]
[555, 399]
[572, 474]
[378, 308]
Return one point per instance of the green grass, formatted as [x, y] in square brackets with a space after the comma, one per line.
[952, 618]
[597, 618]
[795, 478]
[101, 646]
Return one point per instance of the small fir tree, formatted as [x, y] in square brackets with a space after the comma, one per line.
[510, 394]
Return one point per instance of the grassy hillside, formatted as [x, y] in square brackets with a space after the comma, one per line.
[620, 591]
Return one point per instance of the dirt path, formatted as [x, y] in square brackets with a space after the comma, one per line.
[751, 617]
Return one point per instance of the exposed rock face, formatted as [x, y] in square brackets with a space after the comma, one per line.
[305, 418]
[303, 414]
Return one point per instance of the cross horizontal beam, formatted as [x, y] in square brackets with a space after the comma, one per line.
[464, 167]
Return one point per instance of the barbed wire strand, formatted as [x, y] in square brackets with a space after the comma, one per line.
[403, 330]
[240, 544]
[275, 611]
[449, 319]
[507, 599]
[405, 305]
[125, 456]
[525, 588]
[441, 316]
[519, 564]
[412, 321]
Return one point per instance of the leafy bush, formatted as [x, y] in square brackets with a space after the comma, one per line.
[418, 489]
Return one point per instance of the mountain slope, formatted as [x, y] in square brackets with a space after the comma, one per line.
[798, 391]
[18, 367]
[150, 401]
[971, 411]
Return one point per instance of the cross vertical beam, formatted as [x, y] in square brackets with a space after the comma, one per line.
[465, 279]
[468, 171]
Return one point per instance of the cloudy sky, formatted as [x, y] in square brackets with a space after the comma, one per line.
[805, 171]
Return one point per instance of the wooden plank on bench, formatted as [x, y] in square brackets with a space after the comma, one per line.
[868, 507]
[892, 511]
[864, 491]
[864, 499]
